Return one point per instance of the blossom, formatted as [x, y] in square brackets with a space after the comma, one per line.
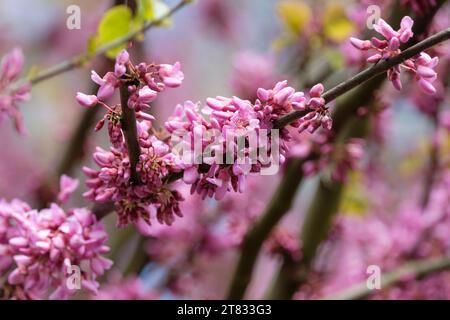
[143, 82]
[86, 100]
[40, 247]
[225, 135]
[171, 75]
[135, 203]
[67, 186]
[11, 95]
[425, 74]
[231, 120]
[421, 66]
[120, 66]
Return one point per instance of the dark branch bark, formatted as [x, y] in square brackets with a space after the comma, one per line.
[128, 122]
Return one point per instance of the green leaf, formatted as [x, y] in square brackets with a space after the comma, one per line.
[115, 23]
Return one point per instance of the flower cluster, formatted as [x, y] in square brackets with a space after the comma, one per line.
[215, 147]
[10, 68]
[135, 202]
[143, 82]
[231, 120]
[39, 248]
[422, 66]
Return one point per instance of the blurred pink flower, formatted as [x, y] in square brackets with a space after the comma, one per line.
[11, 95]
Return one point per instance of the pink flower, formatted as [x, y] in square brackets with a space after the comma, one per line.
[67, 186]
[425, 74]
[86, 100]
[135, 203]
[171, 75]
[147, 80]
[45, 245]
[422, 66]
[122, 60]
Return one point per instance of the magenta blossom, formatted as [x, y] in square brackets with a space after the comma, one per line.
[46, 245]
[421, 66]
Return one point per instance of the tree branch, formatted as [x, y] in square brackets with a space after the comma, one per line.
[370, 73]
[79, 60]
[128, 122]
[417, 269]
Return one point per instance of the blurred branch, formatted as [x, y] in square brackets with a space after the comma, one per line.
[281, 202]
[433, 164]
[414, 269]
[79, 60]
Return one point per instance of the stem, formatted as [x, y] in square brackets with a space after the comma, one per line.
[129, 130]
[79, 60]
[370, 73]
[417, 269]
[254, 239]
